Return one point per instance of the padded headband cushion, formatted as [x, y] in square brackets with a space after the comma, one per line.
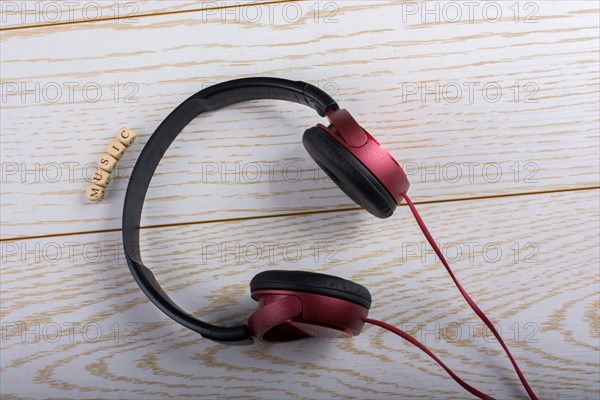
[348, 173]
[312, 282]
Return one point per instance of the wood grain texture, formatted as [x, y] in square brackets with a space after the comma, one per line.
[21, 14]
[364, 54]
[74, 324]
[549, 296]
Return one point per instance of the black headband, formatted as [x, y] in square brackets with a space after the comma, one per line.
[209, 99]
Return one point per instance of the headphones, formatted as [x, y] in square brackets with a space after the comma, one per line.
[292, 305]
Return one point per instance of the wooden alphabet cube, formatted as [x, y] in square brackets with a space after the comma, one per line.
[95, 193]
[116, 149]
[126, 136]
[107, 162]
[100, 177]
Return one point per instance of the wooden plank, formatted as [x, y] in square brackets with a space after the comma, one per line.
[21, 14]
[247, 160]
[98, 336]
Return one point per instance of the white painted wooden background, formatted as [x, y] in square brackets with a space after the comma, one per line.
[506, 175]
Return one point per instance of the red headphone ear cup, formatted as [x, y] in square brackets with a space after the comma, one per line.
[312, 282]
[296, 304]
[348, 173]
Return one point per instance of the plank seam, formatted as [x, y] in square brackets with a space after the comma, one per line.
[459, 199]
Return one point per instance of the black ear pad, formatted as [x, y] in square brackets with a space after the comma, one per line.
[312, 282]
[348, 173]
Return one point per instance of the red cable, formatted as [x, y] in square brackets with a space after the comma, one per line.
[421, 346]
[471, 303]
